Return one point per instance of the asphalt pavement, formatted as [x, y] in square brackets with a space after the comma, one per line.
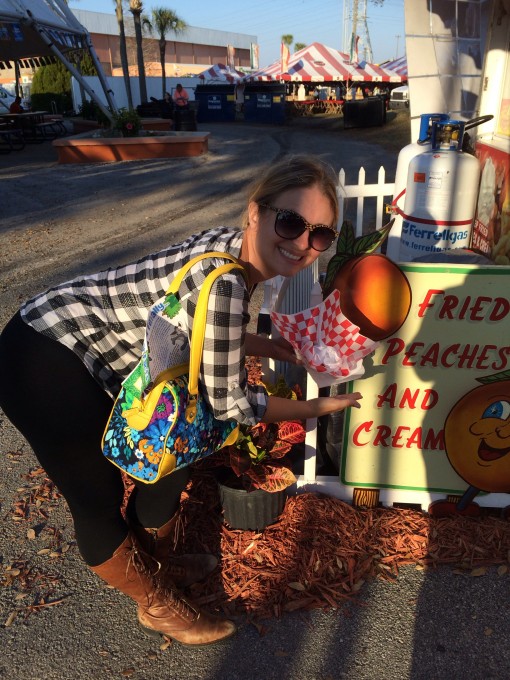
[57, 221]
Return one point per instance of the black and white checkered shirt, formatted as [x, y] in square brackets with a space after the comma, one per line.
[102, 318]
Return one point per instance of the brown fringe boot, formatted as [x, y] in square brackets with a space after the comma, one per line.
[160, 610]
[180, 570]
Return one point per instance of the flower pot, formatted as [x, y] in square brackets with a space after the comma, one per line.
[253, 510]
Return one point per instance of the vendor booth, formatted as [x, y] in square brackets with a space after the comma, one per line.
[318, 63]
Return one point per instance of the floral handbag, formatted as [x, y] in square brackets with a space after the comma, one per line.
[152, 432]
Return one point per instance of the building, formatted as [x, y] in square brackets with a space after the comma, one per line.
[187, 53]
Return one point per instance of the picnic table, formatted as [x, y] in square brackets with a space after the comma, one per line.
[35, 126]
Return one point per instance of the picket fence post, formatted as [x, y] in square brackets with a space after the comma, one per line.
[360, 191]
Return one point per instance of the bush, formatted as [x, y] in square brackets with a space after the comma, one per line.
[44, 101]
[128, 122]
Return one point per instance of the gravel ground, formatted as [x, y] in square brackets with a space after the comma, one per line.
[60, 221]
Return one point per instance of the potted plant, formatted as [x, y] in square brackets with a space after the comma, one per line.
[253, 485]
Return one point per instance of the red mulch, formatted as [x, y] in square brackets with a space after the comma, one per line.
[322, 550]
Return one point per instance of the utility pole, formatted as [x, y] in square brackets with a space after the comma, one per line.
[355, 18]
[398, 38]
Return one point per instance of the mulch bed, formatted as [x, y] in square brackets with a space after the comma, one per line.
[322, 550]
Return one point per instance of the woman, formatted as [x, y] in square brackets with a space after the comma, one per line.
[180, 96]
[70, 348]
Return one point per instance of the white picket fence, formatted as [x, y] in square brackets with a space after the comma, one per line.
[361, 191]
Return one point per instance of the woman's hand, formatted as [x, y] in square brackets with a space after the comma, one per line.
[279, 408]
[283, 351]
[279, 349]
[326, 405]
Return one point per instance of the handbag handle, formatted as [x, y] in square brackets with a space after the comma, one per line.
[179, 277]
[199, 322]
[140, 414]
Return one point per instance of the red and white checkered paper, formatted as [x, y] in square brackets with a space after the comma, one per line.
[326, 341]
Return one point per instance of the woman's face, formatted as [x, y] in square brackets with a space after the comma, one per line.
[269, 254]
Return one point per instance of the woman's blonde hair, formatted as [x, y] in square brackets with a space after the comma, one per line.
[293, 172]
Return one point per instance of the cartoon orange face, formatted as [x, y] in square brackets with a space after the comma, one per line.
[477, 437]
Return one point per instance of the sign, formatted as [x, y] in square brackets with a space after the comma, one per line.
[214, 101]
[263, 101]
[457, 334]
[491, 228]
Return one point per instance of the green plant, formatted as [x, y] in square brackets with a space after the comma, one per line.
[256, 457]
[88, 110]
[127, 121]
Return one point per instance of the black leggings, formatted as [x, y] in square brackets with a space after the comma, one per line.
[52, 399]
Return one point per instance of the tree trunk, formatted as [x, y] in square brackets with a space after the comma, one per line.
[162, 50]
[123, 52]
[139, 56]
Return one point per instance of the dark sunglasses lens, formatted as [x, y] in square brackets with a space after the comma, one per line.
[288, 225]
[321, 238]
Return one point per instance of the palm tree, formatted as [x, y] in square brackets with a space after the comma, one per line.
[299, 46]
[123, 51]
[136, 9]
[163, 20]
[287, 40]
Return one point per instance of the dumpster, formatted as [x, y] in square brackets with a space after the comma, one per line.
[216, 103]
[367, 112]
[265, 103]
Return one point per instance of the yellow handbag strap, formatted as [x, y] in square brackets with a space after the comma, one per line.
[140, 414]
[179, 277]
[199, 322]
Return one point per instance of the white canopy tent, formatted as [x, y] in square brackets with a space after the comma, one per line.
[31, 31]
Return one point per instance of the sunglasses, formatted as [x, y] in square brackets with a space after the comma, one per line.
[290, 225]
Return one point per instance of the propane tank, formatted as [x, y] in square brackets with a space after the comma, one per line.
[440, 197]
[404, 158]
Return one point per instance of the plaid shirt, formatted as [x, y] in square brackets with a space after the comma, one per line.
[102, 318]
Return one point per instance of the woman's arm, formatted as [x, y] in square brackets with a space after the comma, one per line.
[290, 409]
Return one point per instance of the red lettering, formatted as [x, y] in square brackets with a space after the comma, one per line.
[449, 304]
[411, 352]
[364, 427]
[434, 441]
[477, 307]
[452, 349]
[468, 356]
[415, 439]
[395, 440]
[409, 400]
[430, 400]
[395, 346]
[482, 360]
[431, 356]
[503, 353]
[464, 308]
[426, 303]
[388, 396]
[402, 437]
[382, 436]
[500, 310]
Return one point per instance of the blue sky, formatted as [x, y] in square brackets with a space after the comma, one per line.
[307, 20]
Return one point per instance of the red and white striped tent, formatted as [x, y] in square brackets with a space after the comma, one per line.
[398, 65]
[319, 63]
[219, 73]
